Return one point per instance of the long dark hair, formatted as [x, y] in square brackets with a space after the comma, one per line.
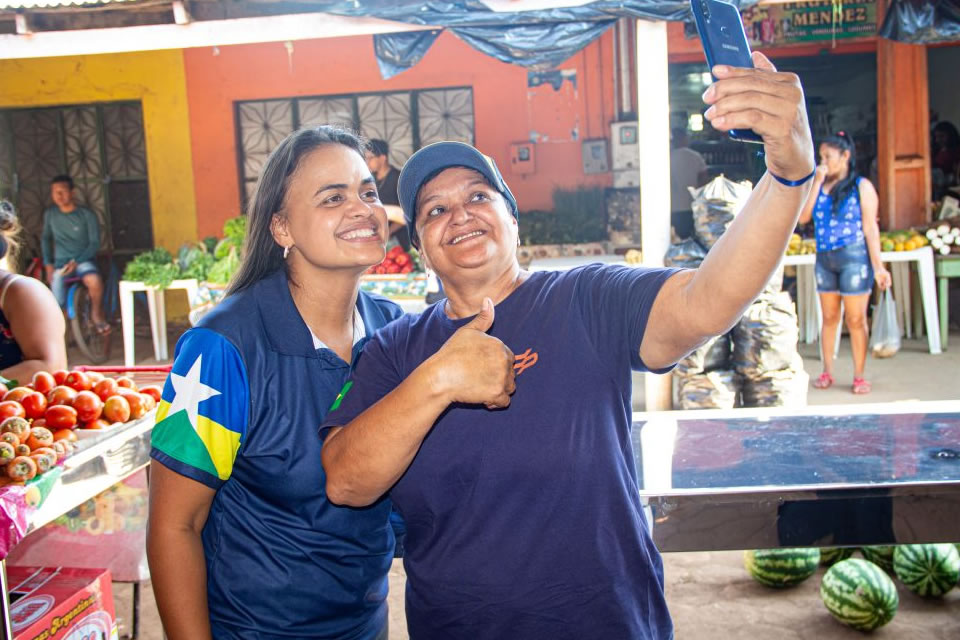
[261, 254]
[842, 190]
[953, 136]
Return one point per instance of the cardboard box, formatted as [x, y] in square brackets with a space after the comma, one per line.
[58, 603]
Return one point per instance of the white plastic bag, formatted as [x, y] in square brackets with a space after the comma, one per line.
[885, 341]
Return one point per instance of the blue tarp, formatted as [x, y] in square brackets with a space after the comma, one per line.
[922, 21]
[536, 39]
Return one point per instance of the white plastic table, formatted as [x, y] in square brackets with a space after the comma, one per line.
[808, 304]
[158, 315]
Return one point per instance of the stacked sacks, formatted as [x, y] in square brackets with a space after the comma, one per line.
[715, 205]
[705, 378]
[765, 353]
[756, 364]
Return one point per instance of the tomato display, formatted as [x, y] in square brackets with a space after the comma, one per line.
[21, 468]
[89, 406]
[43, 381]
[64, 434]
[7, 452]
[10, 438]
[16, 394]
[106, 388]
[116, 409]
[137, 405]
[18, 426]
[99, 423]
[79, 381]
[127, 383]
[61, 394]
[61, 417]
[11, 408]
[39, 437]
[153, 391]
[60, 376]
[34, 404]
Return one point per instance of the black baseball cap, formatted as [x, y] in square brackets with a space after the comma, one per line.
[426, 163]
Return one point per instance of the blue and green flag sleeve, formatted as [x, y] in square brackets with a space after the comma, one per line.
[202, 415]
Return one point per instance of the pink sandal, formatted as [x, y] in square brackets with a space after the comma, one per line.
[824, 381]
[861, 386]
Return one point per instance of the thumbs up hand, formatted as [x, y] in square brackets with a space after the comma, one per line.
[475, 368]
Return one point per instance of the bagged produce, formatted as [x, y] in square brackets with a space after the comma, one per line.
[784, 388]
[715, 205]
[713, 390]
[714, 355]
[685, 255]
[885, 333]
[765, 339]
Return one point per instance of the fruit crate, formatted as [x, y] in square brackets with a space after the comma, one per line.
[396, 285]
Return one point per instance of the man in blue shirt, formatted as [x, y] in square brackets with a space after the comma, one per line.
[71, 239]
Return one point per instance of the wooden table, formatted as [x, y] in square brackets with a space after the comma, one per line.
[945, 267]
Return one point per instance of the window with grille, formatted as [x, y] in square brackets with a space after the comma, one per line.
[407, 120]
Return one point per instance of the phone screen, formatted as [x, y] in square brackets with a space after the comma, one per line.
[724, 42]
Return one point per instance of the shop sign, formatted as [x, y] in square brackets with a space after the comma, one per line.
[792, 22]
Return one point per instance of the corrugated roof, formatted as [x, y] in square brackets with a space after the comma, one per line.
[49, 4]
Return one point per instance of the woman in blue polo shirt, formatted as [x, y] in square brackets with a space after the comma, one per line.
[242, 541]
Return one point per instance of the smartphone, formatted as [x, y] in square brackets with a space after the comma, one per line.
[724, 42]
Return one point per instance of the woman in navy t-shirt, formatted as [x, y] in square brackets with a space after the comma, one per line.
[499, 420]
[843, 207]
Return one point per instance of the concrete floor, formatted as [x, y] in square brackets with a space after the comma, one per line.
[710, 594]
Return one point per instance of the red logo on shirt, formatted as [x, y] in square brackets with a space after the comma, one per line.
[524, 361]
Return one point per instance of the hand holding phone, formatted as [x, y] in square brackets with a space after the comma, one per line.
[755, 102]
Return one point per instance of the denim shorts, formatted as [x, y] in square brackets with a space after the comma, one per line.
[58, 282]
[846, 270]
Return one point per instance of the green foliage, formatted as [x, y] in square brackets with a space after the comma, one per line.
[154, 268]
[235, 229]
[578, 215]
[224, 268]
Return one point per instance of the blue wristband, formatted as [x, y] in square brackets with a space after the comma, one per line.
[792, 183]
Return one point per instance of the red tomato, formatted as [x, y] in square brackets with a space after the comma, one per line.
[149, 404]
[16, 394]
[64, 435]
[34, 404]
[137, 406]
[402, 259]
[43, 381]
[22, 449]
[78, 380]
[22, 468]
[61, 395]
[106, 388]
[407, 268]
[39, 422]
[9, 409]
[126, 382]
[95, 376]
[99, 423]
[116, 409]
[10, 438]
[60, 376]
[152, 390]
[39, 437]
[61, 417]
[89, 406]
[17, 426]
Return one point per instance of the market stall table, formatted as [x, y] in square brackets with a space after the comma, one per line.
[946, 267]
[99, 463]
[822, 476]
[158, 315]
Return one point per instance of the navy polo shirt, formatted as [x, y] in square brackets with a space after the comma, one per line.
[239, 413]
[526, 522]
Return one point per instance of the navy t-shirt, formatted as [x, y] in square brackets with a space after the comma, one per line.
[527, 522]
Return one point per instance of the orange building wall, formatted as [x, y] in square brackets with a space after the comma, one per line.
[505, 110]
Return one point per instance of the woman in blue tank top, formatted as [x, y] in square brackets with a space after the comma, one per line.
[843, 206]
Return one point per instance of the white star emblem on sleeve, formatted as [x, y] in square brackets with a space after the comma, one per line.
[190, 392]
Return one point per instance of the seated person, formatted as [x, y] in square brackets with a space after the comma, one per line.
[71, 239]
[31, 326]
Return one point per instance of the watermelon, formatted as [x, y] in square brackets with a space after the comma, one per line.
[929, 570]
[781, 567]
[832, 555]
[880, 556]
[859, 594]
